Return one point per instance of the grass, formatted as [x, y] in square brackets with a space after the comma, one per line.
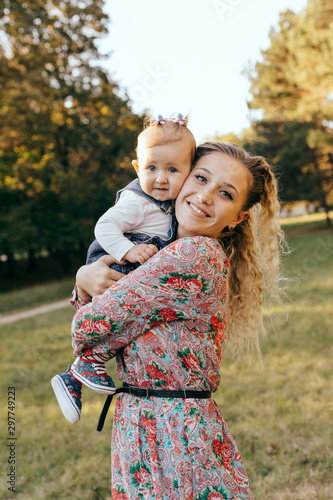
[280, 417]
[54, 458]
[27, 298]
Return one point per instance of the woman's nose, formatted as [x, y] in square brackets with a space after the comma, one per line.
[205, 195]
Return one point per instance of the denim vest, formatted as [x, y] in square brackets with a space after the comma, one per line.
[95, 251]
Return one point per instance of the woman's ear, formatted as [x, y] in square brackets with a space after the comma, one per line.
[135, 164]
[242, 216]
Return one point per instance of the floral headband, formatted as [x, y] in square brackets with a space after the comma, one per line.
[179, 118]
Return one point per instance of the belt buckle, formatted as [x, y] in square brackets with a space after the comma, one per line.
[129, 390]
[147, 392]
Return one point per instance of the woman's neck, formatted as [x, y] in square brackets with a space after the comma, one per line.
[182, 232]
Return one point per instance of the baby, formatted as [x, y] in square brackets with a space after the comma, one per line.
[139, 225]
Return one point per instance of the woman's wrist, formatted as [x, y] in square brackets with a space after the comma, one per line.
[77, 300]
[80, 284]
[83, 295]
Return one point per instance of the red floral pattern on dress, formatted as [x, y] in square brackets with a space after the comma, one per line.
[191, 362]
[154, 372]
[102, 326]
[169, 315]
[176, 282]
[87, 326]
[193, 285]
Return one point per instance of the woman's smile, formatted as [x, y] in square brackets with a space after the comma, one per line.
[198, 210]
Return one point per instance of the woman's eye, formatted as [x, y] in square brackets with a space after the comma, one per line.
[200, 178]
[226, 194]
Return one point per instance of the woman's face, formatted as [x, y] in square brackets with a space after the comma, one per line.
[212, 196]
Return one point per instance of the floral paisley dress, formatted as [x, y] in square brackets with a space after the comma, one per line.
[170, 317]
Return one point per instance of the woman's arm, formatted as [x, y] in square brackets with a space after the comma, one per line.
[181, 282]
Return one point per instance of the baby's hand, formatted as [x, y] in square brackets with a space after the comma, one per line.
[140, 253]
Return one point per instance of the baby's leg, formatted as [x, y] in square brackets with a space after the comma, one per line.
[68, 392]
[92, 350]
[67, 386]
[90, 370]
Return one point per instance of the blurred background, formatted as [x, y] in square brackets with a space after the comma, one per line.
[76, 79]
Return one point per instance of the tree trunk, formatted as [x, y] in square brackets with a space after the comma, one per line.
[11, 268]
[328, 220]
[322, 195]
[82, 250]
[32, 262]
[65, 260]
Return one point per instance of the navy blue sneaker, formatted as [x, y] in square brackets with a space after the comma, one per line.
[68, 392]
[93, 374]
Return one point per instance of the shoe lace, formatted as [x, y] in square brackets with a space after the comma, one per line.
[99, 368]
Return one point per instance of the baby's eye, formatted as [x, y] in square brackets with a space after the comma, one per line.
[152, 168]
[173, 170]
[200, 178]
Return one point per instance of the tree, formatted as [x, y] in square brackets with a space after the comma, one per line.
[284, 145]
[293, 86]
[67, 134]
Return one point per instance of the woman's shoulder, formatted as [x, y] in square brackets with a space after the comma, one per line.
[198, 246]
[201, 242]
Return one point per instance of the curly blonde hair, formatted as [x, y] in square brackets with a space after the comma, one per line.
[253, 249]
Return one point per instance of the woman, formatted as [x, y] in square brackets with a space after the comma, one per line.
[170, 317]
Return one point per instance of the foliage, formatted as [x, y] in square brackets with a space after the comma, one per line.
[284, 145]
[293, 87]
[66, 131]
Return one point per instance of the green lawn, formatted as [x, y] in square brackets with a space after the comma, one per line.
[37, 295]
[280, 417]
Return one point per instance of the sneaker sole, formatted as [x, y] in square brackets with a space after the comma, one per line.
[69, 409]
[91, 385]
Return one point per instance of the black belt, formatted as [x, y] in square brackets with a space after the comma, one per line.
[149, 393]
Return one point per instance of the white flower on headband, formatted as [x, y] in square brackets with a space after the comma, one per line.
[180, 119]
[159, 120]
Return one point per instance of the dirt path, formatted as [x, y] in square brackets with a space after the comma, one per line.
[9, 318]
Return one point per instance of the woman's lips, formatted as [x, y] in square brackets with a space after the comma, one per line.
[197, 209]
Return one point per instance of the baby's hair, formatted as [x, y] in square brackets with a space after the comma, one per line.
[253, 249]
[167, 133]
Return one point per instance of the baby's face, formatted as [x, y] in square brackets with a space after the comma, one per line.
[163, 169]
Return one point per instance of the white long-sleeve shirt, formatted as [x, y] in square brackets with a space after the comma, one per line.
[131, 214]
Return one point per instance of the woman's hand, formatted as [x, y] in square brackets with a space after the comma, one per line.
[94, 279]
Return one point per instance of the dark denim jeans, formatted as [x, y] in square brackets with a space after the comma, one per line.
[95, 251]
